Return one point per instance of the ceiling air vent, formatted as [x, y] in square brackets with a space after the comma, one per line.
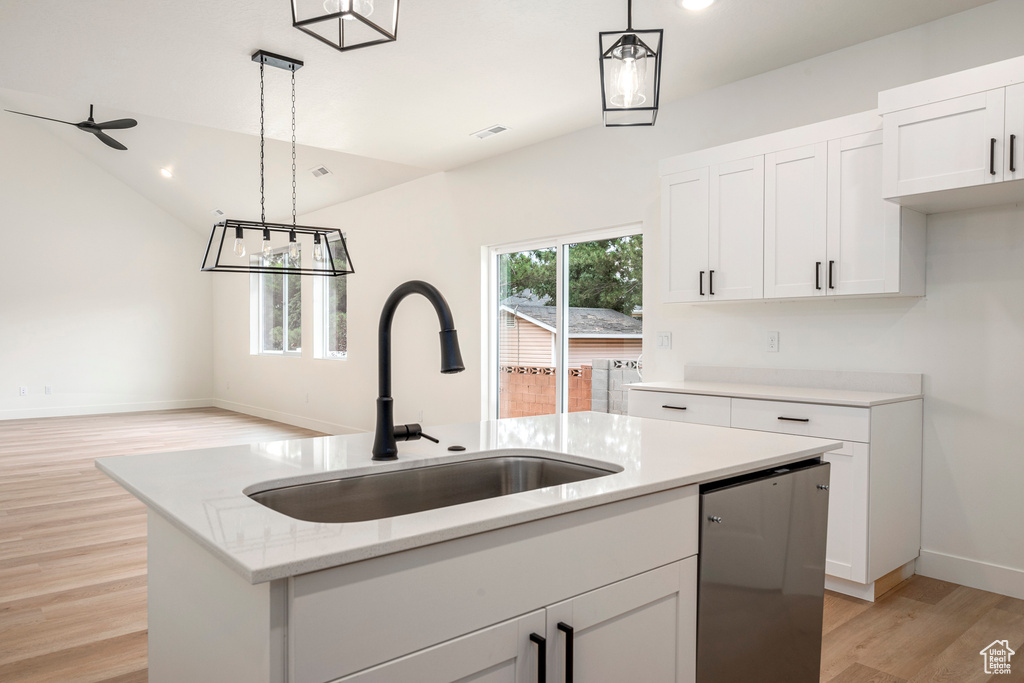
[320, 171]
[217, 213]
[488, 132]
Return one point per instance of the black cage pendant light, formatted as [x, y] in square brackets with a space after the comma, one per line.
[630, 74]
[242, 246]
[347, 24]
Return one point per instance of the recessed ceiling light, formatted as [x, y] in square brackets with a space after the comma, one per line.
[166, 173]
[694, 4]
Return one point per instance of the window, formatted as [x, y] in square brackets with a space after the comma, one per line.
[330, 319]
[566, 323]
[278, 309]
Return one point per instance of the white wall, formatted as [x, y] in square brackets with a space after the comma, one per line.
[966, 336]
[100, 294]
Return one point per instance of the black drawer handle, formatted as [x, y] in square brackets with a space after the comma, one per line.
[992, 157]
[1013, 147]
[702, 283]
[817, 274]
[675, 407]
[567, 630]
[831, 265]
[795, 419]
[711, 282]
[542, 657]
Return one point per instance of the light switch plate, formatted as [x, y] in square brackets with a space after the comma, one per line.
[664, 340]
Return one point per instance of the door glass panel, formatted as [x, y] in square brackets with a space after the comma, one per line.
[605, 291]
[527, 324]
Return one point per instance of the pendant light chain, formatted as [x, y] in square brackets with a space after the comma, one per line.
[293, 147]
[263, 199]
[629, 18]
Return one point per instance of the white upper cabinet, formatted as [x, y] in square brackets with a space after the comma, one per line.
[1013, 133]
[713, 219]
[953, 142]
[684, 249]
[735, 238]
[873, 247]
[795, 193]
[945, 145]
[805, 218]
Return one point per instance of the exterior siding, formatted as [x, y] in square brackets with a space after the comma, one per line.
[584, 351]
[524, 343]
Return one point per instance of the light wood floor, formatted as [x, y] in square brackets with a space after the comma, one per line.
[73, 543]
[73, 567]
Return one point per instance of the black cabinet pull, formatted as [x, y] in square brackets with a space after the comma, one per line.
[702, 283]
[992, 157]
[567, 630]
[1013, 146]
[795, 419]
[831, 284]
[542, 657]
[711, 282]
[675, 407]
[817, 274]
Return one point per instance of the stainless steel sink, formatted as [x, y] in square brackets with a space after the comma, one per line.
[401, 492]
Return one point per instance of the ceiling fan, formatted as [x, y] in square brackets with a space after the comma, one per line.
[90, 126]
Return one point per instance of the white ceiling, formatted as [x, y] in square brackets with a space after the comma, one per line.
[386, 113]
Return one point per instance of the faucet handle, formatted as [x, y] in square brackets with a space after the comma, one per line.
[411, 432]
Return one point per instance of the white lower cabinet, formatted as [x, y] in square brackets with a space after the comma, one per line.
[503, 653]
[874, 516]
[642, 628]
[846, 552]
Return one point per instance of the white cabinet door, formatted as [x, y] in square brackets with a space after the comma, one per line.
[641, 629]
[503, 653]
[795, 192]
[846, 550]
[1013, 133]
[736, 238]
[684, 248]
[863, 229]
[945, 145]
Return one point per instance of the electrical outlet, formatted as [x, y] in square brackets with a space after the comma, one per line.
[48, 390]
[773, 342]
[23, 391]
[665, 340]
[227, 386]
[307, 397]
[419, 417]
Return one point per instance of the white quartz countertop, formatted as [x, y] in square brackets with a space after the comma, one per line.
[771, 392]
[201, 491]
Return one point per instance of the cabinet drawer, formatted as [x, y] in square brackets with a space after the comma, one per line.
[665, 405]
[842, 423]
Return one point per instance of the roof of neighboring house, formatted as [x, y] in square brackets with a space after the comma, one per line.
[582, 321]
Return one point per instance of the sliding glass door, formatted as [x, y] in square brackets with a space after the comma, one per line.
[566, 315]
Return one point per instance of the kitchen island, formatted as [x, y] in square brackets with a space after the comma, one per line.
[497, 588]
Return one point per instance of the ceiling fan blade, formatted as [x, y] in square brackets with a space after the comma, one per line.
[119, 123]
[109, 141]
[45, 118]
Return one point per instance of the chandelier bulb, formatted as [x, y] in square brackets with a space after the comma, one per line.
[363, 7]
[239, 243]
[318, 248]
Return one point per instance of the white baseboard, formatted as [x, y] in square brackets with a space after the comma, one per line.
[981, 575]
[104, 408]
[287, 418]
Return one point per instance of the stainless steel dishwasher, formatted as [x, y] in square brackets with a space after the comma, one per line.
[761, 581]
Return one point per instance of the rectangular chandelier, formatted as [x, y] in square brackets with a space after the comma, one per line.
[347, 24]
[277, 248]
